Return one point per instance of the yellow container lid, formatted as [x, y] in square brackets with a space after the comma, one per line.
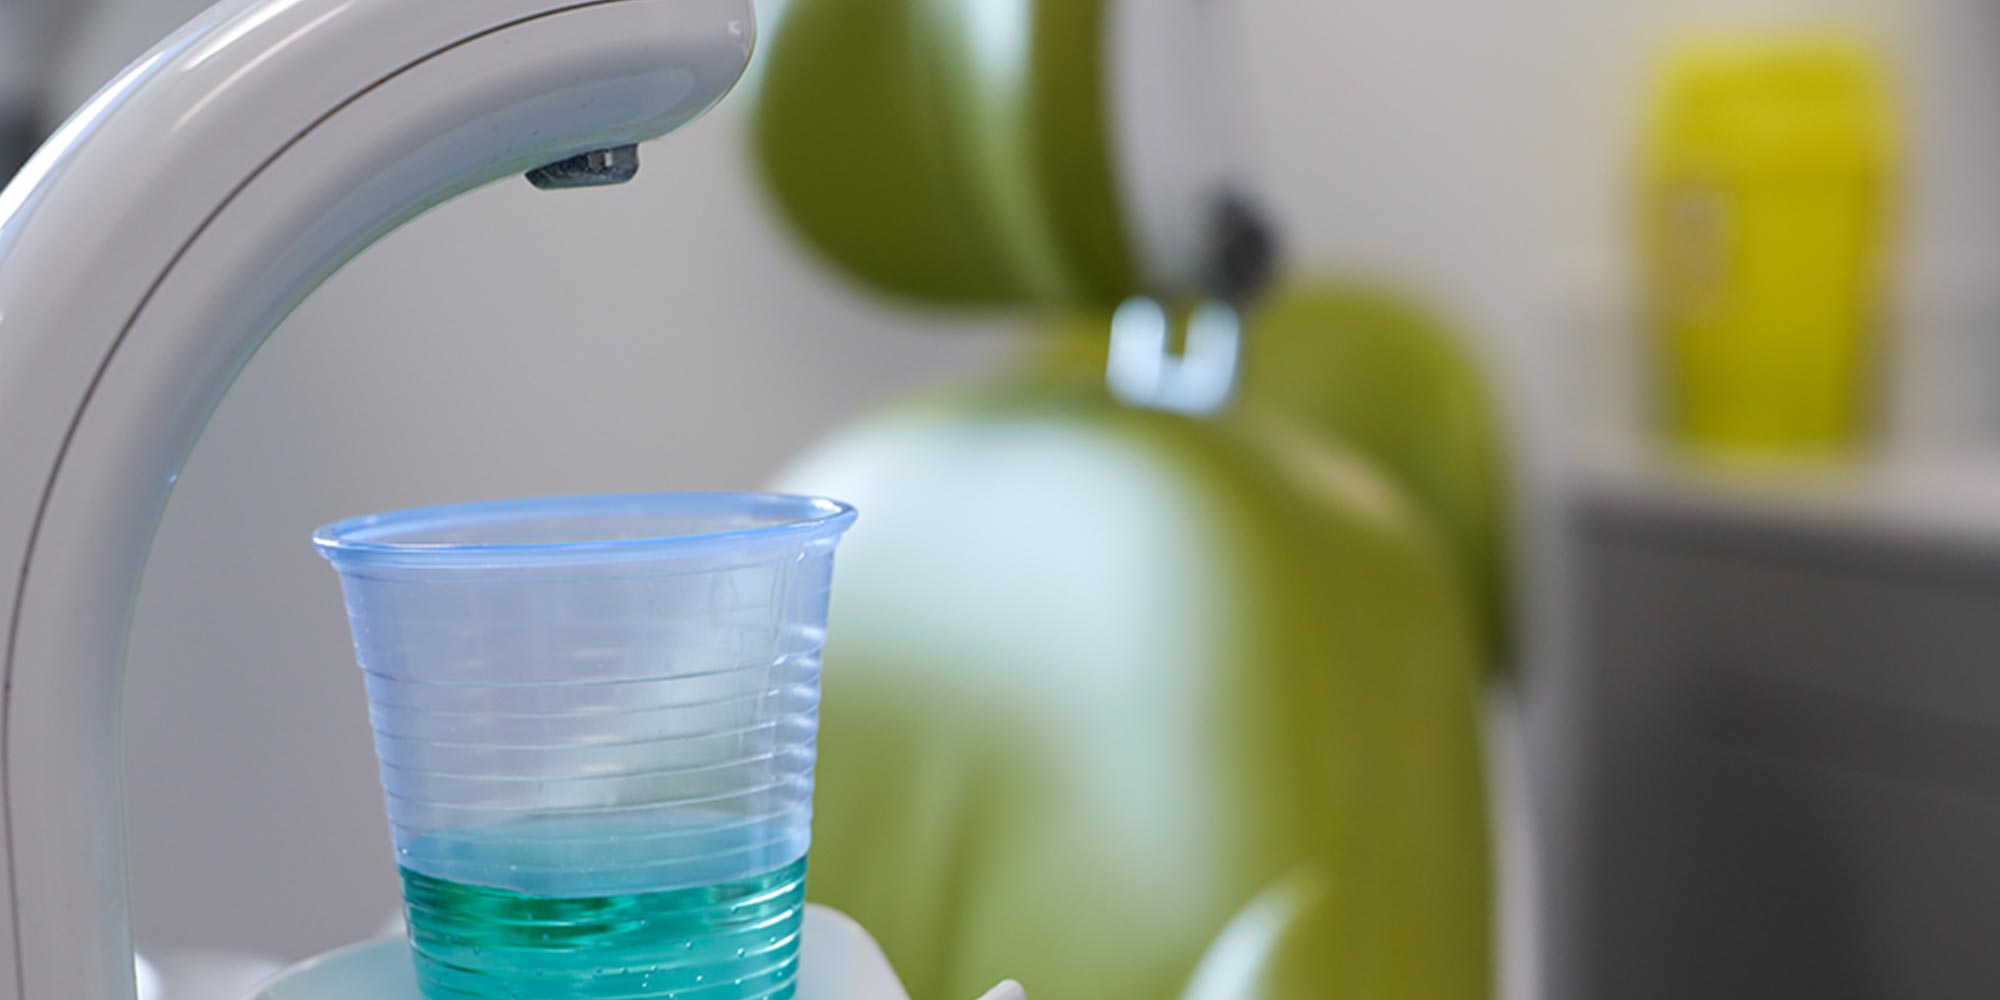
[1779, 103]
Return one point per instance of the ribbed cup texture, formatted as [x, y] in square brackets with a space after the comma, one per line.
[598, 766]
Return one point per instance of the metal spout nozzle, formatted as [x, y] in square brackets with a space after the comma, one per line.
[602, 168]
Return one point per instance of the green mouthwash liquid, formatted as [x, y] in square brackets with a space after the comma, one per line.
[733, 941]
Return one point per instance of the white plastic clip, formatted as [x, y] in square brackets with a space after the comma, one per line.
[1144, 371]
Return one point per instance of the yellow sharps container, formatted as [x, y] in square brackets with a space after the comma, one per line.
[1767, 194]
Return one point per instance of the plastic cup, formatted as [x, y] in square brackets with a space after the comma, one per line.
[596, 721]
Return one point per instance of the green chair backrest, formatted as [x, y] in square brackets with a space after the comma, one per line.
[1381, 372]
[1131, 706]
[1378, 372]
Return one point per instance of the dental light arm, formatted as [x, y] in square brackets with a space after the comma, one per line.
[149, 249]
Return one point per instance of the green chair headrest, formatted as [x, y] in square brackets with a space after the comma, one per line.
[938, 154]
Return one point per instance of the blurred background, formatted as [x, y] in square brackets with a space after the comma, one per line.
[1728, 268]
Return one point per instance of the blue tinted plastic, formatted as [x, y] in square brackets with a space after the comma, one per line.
[595, 696]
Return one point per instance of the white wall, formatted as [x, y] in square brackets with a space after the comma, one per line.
[666, 336]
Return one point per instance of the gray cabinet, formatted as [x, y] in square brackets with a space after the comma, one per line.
[1785, 746]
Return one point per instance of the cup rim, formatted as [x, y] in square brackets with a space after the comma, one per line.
[368, 540]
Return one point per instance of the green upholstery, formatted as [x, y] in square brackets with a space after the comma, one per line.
[1379, 371]
[1129, 706]
[924, 158]
[1125, 705]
